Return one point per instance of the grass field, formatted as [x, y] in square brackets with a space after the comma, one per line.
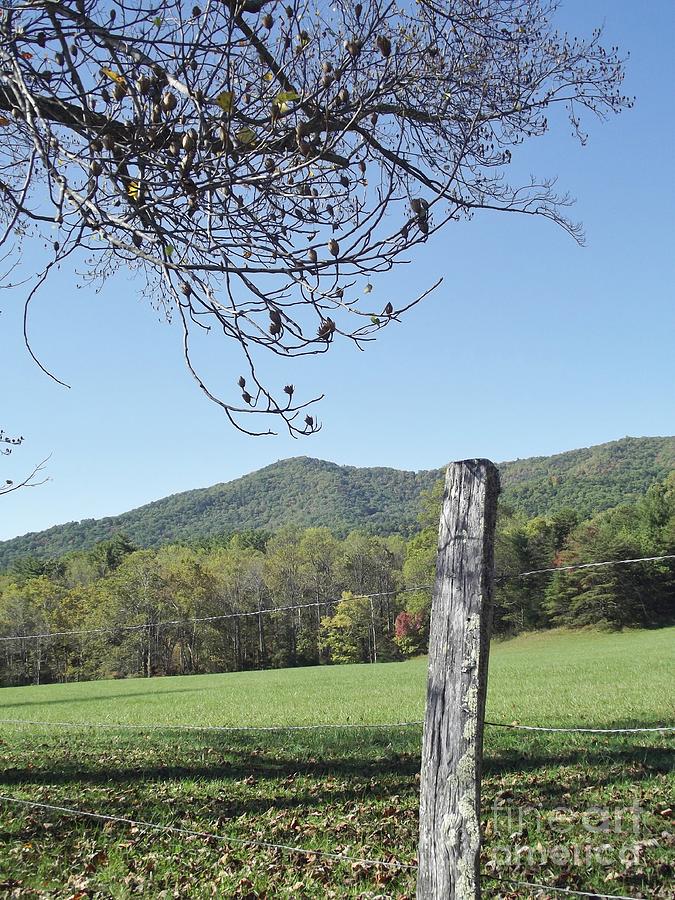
[590, 812]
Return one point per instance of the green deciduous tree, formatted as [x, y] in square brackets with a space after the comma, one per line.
[348, 635]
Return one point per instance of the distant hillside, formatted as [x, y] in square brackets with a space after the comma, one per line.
[299, 491]
[588, 480]
[304, 491]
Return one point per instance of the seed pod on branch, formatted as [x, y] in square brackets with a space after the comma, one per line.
[326, 329]
[169, 101]
[419, 206]
[384, 45]
[189, 140]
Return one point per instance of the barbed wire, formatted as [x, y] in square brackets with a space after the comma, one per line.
[166, 623]
[286, 848]
[557, 890]
[240, 842]
[226, 728]
[198, 619]
[591, 565]
[307, 727]
[336, 726]
[579, 730]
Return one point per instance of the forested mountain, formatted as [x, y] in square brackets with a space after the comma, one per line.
[309, 492]
[588, 480]
[299, 491]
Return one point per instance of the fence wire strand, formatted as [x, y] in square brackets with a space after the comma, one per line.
[189, 832]
[333, 726]
[199, 619]
[580, 730]
[286, 848]
[120, 726]
[591, 565]
[571, 892]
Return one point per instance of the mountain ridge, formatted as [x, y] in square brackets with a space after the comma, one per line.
[307, 491]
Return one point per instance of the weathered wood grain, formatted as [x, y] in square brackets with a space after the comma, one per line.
[452, 747]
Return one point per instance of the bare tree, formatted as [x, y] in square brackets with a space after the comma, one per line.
[259, 164]
[7, 444]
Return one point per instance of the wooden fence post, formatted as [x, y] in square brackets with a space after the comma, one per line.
[459, 643]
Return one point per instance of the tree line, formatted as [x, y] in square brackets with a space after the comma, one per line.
[306, 597]
[310, 492]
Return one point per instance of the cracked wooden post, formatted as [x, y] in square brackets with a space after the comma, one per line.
[459, 643]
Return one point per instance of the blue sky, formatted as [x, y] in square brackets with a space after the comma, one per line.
[531, 346]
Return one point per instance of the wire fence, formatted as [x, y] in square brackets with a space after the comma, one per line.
[317, 853]
[196, 620]
[290, 849]
[225, 839]
[571, 892]
[327, 726]
[153, 726]
[594, 565]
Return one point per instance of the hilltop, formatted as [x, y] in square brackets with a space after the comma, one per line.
[305, 492]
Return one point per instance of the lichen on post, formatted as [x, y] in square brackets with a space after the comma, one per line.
[452, 748]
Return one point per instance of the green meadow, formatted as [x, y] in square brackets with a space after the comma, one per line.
[580, 811]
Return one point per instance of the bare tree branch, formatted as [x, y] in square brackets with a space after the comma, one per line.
[7, 445]
[28, 481]
[259, 164]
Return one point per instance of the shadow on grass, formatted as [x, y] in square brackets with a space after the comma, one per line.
[362, 757]
[623, 765]
[245, 786]
[239, 766]
[216, 797]
[97, 697]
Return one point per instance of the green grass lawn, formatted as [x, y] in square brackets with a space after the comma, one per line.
[579, 811]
